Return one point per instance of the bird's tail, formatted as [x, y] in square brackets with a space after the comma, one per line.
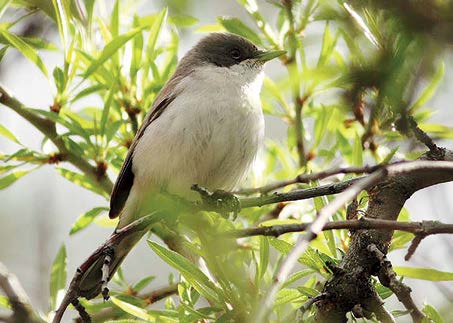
[91, 282]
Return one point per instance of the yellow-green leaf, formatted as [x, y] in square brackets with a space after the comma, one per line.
[24, 48]
[424, 273]
[8, 134]
[85, 219]
[58, 277]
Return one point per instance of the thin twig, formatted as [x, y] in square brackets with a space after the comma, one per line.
[423, 228]
[306, 178]
[48, 129]
[388, 278]
[149, 297]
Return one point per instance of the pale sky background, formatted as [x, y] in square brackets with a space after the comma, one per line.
[38, 210]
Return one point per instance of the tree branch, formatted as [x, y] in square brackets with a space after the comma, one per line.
[388, 278]
[48, 129]
[385, 202]
[20, 304]
[306, 178]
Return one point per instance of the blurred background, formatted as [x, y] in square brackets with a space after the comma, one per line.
[37, 212]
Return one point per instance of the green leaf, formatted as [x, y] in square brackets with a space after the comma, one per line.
[432, 314]
[429, 91]
[137, 51]
[59, 79]
[424, 273]
[85, 219]
[4, 302]
[106, 110]
[148, 316]
[110, 49]
[58, 278]
[264, 256]
[357, 152]
[154, 32]
[24, 48]
[191, 273]
[115, 19]
[142, 283]
[182, 20]
[61, 20]
[236, 26]
[82, 180]
[11, 178]
[307, 291]
[286, 296]
[4, 4]
[8, 134]
[3, 52]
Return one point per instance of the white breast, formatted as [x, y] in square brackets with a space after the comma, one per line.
[209, 135]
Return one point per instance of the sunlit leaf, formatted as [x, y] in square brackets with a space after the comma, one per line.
[236, 26]
[193, 275]
[432, 314]
[424, 273]
[8, 134]
[9, 179]
[85, 219]
[82, 180]
[110, 49]
[24, 48]
[430, 89]
[58, 277]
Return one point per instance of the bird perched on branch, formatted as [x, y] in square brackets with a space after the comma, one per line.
[204, 128]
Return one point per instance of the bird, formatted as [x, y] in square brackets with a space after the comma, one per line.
[205, 127]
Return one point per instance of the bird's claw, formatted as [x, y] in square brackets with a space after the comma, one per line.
[220, 201]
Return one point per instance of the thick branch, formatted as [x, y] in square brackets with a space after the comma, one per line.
[385, 202]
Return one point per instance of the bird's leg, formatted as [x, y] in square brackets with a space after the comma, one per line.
[108, 252]
[220, 201]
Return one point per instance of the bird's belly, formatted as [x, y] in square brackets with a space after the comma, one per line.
[212, 145]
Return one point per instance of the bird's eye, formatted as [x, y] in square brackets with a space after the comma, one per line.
[236, 54]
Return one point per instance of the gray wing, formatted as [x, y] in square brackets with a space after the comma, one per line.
[125, 179]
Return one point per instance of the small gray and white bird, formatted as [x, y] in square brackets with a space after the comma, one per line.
[205, 127]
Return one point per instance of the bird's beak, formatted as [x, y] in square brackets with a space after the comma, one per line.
[264, 56]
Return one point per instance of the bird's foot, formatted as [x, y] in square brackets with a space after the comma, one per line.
[220, 201]
[108, 252]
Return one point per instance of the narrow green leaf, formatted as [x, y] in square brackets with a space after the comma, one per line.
[12, 177]
[432, 314]
[133, 310]
[81, 180]
[137, 50]
[154, 33]
[264, 256]
[106, 110]
[4, 302]
[182, 20]
[8, 134]
[142, 283]
[58, 278]
[429, 90]
[24, 48]
[3, 52]
[59, 79]
[85, 219]
[148, 316]
[307, 291]
[88, 91]
[115, 19]
[287, 295]
[3, 6]
[110, 49]
[357, 152]
[62, 21]
[236, 26]
[424, 273]
[191, 273]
